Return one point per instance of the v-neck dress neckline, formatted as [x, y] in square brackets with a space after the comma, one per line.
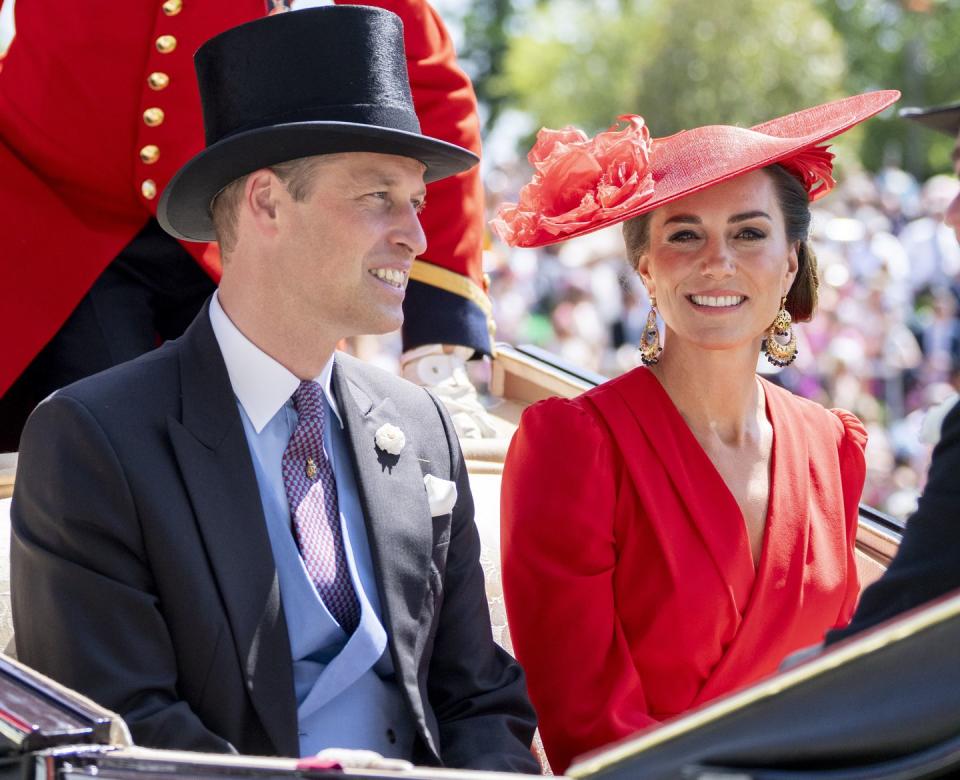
[710, 467]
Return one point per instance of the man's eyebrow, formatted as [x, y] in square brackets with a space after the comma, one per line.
[375, 178]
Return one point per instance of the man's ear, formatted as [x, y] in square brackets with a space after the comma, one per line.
[261, 195]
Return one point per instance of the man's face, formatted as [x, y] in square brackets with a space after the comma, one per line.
[344, 252]
[952, 215]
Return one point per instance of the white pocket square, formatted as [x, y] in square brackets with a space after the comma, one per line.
[441, 493]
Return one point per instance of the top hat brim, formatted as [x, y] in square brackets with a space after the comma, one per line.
[943, 119]
[184, 208]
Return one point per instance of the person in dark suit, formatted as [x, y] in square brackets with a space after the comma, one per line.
[927, 565]
[244, 540]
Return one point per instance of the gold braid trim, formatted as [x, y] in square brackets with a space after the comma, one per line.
[464, 286]
[452, 282]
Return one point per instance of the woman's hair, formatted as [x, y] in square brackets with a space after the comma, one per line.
[795, 205]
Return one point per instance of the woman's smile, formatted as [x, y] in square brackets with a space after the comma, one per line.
[717, 302]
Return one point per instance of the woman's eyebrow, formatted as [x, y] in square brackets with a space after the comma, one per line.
[749, 215]
[684, 218]
[694, 220]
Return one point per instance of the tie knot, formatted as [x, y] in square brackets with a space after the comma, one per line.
[308, 400]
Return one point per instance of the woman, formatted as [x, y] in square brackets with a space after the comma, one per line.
[672, 534]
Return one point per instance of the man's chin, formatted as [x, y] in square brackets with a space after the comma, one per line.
[381, 326]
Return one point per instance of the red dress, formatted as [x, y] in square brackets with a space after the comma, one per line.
[629, 582]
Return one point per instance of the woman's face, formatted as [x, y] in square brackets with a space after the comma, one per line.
[719, 262]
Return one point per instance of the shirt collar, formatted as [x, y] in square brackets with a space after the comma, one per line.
[261, 384]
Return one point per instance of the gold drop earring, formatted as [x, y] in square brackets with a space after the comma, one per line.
[780, 343]
[650, 348]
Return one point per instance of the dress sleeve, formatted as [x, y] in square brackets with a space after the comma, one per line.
[853, 473]
[559, 549]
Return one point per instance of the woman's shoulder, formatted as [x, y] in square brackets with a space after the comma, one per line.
[591, 408]
[562, 417]
[845, 427]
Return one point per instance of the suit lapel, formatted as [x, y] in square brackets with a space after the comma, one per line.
[397, 516]
[214, 459]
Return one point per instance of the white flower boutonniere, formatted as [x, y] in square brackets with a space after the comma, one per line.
[390, 439]
[932, 424]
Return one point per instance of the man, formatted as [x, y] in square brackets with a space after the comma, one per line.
[239, 541]
[927, 565]
[90, 278]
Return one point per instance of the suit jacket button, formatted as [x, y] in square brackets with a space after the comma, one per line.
[158, 80]
[166, 44]
[391, 736]
[149, 154]
[153, 116]
[172, 7]
[148, 189]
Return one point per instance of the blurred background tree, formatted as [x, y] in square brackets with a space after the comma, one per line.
[910, 45]
[682, 63]
[679, 63]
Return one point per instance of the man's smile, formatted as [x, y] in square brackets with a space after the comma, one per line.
[395, 277]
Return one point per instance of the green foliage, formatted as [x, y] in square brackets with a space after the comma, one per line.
[485, 42]
[576, 63]
[910, 45]
[678, 63]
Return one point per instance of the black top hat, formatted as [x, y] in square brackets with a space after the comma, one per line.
[316, 81]
[944, 119]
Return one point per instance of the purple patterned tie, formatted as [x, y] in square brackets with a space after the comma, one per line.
[312, 493]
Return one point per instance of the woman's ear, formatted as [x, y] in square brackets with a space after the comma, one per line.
[793, 264]
[643, 271]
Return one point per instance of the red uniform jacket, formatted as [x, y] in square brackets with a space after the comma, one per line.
[99, 107]
[628, 577]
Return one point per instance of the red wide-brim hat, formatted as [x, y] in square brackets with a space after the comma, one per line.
[583, 184]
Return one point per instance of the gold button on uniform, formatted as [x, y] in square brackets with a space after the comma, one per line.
[149, 154]
[157, 80]
[172, 7]
[153, 116]
[148, 189]
[166, 44]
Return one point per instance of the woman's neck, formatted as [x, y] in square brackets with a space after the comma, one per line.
[716, 391]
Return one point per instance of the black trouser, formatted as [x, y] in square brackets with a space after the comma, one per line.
[149, 293]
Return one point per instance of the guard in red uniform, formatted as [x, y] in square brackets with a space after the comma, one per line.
[97, 112]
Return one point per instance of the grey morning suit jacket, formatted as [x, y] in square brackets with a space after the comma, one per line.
[142, 574]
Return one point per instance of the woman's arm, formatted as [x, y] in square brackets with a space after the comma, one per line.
[559, 560]
[853, 473]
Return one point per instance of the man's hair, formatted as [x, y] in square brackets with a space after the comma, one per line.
[296, 176]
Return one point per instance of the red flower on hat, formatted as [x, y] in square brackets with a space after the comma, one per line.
[814, 167]
[578, 181]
